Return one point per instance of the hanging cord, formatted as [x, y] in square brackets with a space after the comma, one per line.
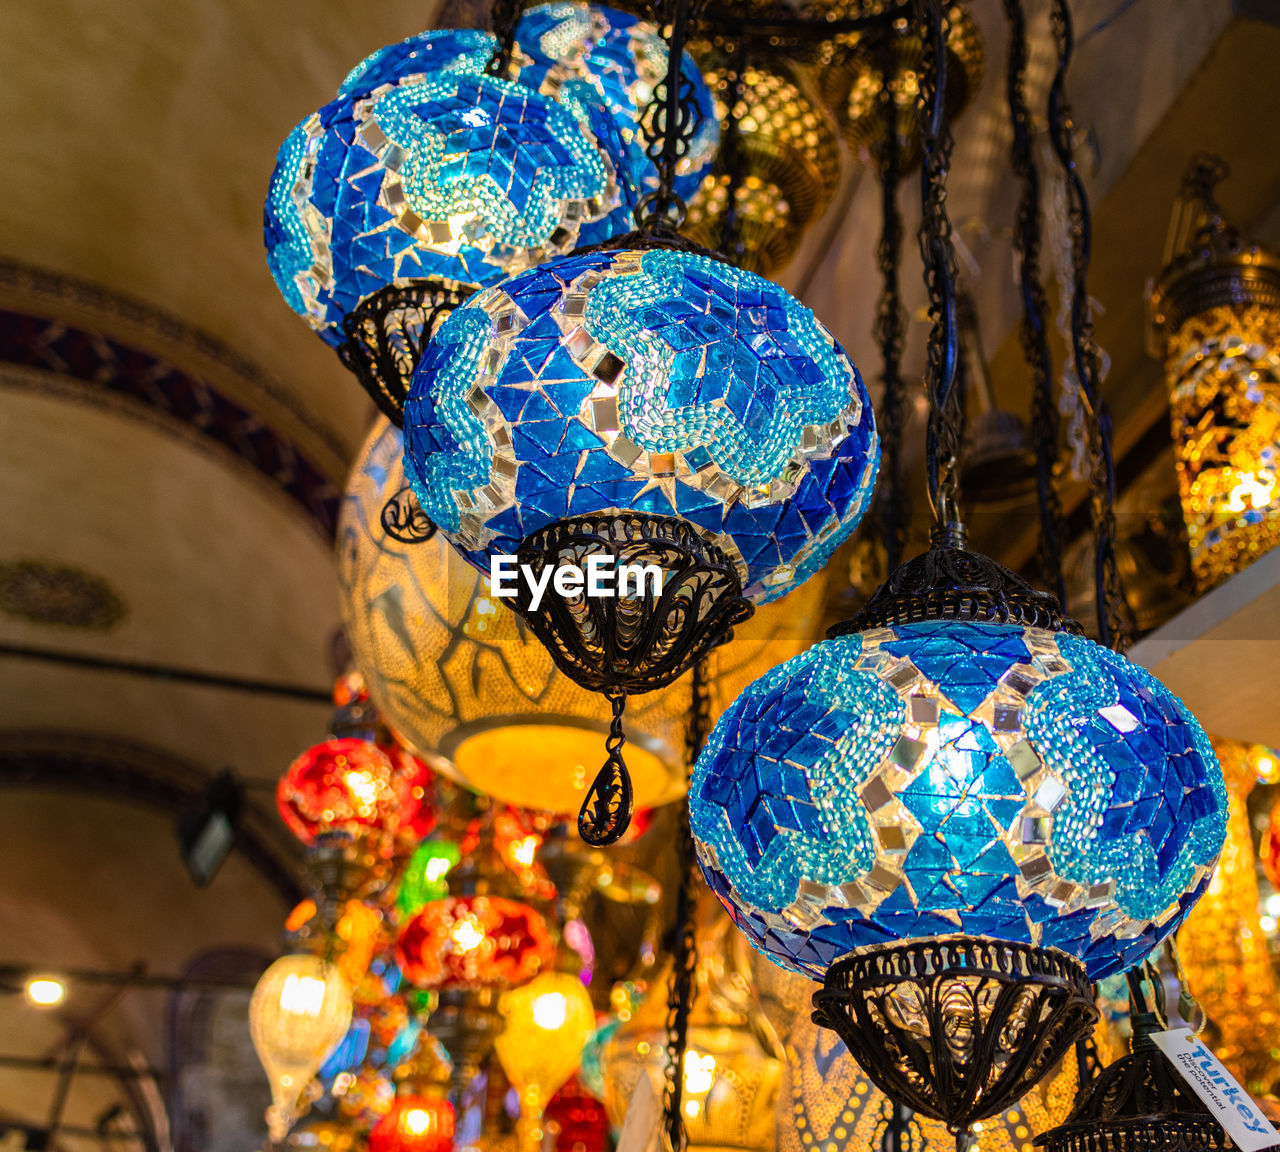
[942, 440]
[1112, 625]
[504, 16]
[890, 326]
[1035, 307]
[684, 951]
[673, 119]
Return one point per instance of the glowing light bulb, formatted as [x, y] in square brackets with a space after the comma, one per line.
[522, 851]
[699, 1072]
[45, 992]
[550, 1010]
[364, 788]
[416, 1122]
[1273, 905]
[436, 868]
[302, 995]
[466, 935]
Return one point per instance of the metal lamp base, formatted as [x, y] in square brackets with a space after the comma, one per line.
[957, 1028]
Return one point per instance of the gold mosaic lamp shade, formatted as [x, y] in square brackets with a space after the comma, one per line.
[1217, 309]
[1222, 945]
[466, 685]
[731, 1077]
[851, 84]
[790, 162]
[826, 1104]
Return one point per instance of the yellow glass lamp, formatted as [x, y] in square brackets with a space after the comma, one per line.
[826, 1104]
[459, 678]
[1216, 309]
[1222, 945]
[299, 1012]
[790, 162]
[548, 1022]
[733, 1065]
[851, 82]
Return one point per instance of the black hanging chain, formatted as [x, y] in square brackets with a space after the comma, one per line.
[1113, 630]
[504, 16]
[890, 325]
[673, 119]
[1034, 331]
[684, 950]
[606, 811]
[942, 440]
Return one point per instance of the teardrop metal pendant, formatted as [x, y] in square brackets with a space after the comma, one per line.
[605, 814]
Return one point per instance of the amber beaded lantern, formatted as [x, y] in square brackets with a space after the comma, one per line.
[1222, 945]
[1216, 308]
[460, 678]
[731, 1067]
[852, 82]
[789, 161]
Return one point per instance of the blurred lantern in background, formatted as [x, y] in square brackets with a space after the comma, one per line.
[1216, 311]
[300, 1011]
[1223, 948]
[421, 1118]
[425, 876]
[548, 1020]
[576, 1120]
[473, 941]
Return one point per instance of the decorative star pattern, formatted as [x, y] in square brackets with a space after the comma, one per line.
[951, 777]
[555, 396]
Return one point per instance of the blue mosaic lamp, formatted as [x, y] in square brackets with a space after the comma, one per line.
[625, 59]
[655, 405]
[957, 812]
[424, 179]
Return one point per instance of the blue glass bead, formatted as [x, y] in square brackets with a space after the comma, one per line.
[481, 443]
[956, 777]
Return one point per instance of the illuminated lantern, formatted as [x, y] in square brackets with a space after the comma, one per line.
[423, 879]
[654, 414]
[459, 677]
[472, 942]
[358, 788]
[421, 1119]
[577, 1120]
[624, 59]
[732, 1067]
[300, 1011]
[1224, 951]
[548, 1022]
[1217, 308]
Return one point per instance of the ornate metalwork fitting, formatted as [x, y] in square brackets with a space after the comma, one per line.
[403, 519]
[948, 582]
[1217, 267]
[644, 640]
[1137, 1104]
[957, 1028]
[386, 334]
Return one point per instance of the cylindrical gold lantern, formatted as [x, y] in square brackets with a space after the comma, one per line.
[462, 681]
[788, 158]
[1223, 948]
[1217, 309]
[851, 83]
[826, 1104]
[731, 1076]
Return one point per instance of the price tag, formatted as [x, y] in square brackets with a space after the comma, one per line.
[1217, 1088]
[640, 1125]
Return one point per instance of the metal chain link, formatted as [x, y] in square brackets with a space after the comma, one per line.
[672, 119]
[1113, 630]
[684, 951]
[942, 440]
[1035, 307]
[890, 322]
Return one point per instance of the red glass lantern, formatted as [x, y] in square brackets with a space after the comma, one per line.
[414, 1124]
[1270, 850]
[356, 786]
[473, 942]
[578, 1119]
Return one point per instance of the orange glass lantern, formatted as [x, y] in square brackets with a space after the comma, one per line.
[473, 942]
[357, 787]
[414, 1124]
